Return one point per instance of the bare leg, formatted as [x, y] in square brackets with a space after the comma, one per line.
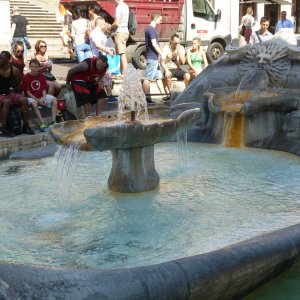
[123, 62]
[160, 86]
[4, 112]
[54, 109]
[146, 87]
[34, 107]
[100, 106]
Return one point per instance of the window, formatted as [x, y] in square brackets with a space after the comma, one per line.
[201, 9]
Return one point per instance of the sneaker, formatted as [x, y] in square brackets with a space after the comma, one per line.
[7, 133]
[28, 130]
[43, 127]
[149, 101]
[166, 99]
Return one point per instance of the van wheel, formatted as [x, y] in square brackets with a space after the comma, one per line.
[214, 51]
[139, 58]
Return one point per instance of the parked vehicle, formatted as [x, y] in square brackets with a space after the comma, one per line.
[188, 18]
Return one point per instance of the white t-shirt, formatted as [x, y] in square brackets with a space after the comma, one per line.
[170, 56]
[97, 37]
[122, 13]
[79, 28]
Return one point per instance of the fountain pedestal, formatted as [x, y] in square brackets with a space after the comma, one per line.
[133, 170]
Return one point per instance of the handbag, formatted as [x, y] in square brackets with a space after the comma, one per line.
[49, 76]
[242, 31]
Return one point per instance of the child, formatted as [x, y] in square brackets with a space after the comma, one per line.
[35, 87]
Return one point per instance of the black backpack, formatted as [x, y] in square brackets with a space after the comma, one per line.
[14, 120]
[132, 23]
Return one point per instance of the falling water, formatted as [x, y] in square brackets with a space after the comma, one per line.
[233, 130]
[181, 139]
[67, 159]
[252, 84]
[131, 96]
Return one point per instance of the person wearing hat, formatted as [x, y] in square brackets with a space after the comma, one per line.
[19, 27]
[85, 80]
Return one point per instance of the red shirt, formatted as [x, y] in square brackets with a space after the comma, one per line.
[92, 74]
[34, 84]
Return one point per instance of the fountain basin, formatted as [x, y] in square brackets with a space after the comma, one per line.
[233, 270]
[130, 142]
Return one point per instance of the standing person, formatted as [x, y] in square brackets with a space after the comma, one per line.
[98, 40]
[85, 81]
[248, 21]
[54, 87]
[17, 57]
[65, 34]
[35, 87]
[195, 58]
[10, 94]
[81, 28]
[173, 56]
[263, 34]
[121, 35]
[283, 22]
[153, 53]
[19, 27]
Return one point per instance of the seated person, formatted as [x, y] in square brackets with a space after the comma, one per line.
[10, 94]
[17, 57]
[35, 87]
[195, 58]
[85, 79]
[54, 87]
[173, 56]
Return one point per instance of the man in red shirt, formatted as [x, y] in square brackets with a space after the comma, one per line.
[85, 80]
[35, 87]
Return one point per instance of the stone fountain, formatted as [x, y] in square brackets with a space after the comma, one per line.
[259, 86]
[249, 97]
[130, 136]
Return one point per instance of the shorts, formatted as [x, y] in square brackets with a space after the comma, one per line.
[153, 70]
[106, 79]
[15, 98]
[49, 99]
[120, 40]
[177, 73]
[87, 92]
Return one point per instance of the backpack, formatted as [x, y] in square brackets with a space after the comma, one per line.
[14, 120]
[132, 23]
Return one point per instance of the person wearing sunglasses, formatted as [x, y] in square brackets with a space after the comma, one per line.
[17, 57]
[173, 57]
[54, 87]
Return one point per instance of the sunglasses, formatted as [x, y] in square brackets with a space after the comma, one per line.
[20, 51]
[43, 46]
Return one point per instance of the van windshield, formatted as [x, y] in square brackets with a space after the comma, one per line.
[201, 9]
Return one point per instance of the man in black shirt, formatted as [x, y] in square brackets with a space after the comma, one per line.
[19, 27]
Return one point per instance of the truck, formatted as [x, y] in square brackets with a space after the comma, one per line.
[187, 18]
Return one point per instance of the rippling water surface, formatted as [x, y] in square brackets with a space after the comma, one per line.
[214, 197]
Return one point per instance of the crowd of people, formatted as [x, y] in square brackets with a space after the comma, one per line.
[94, 40]
[263, 33]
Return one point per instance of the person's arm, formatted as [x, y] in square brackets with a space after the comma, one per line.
[103, 48]
[181, 55]
[17, 80]
[82, 67]
[115, 24]
[13, 28]
[156, 47]
[204, 59]
[188, 59]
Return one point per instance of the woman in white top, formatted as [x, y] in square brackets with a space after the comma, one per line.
[248, 21]
[80, 31]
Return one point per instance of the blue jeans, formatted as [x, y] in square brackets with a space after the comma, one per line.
[83, 51]
[21, 39]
